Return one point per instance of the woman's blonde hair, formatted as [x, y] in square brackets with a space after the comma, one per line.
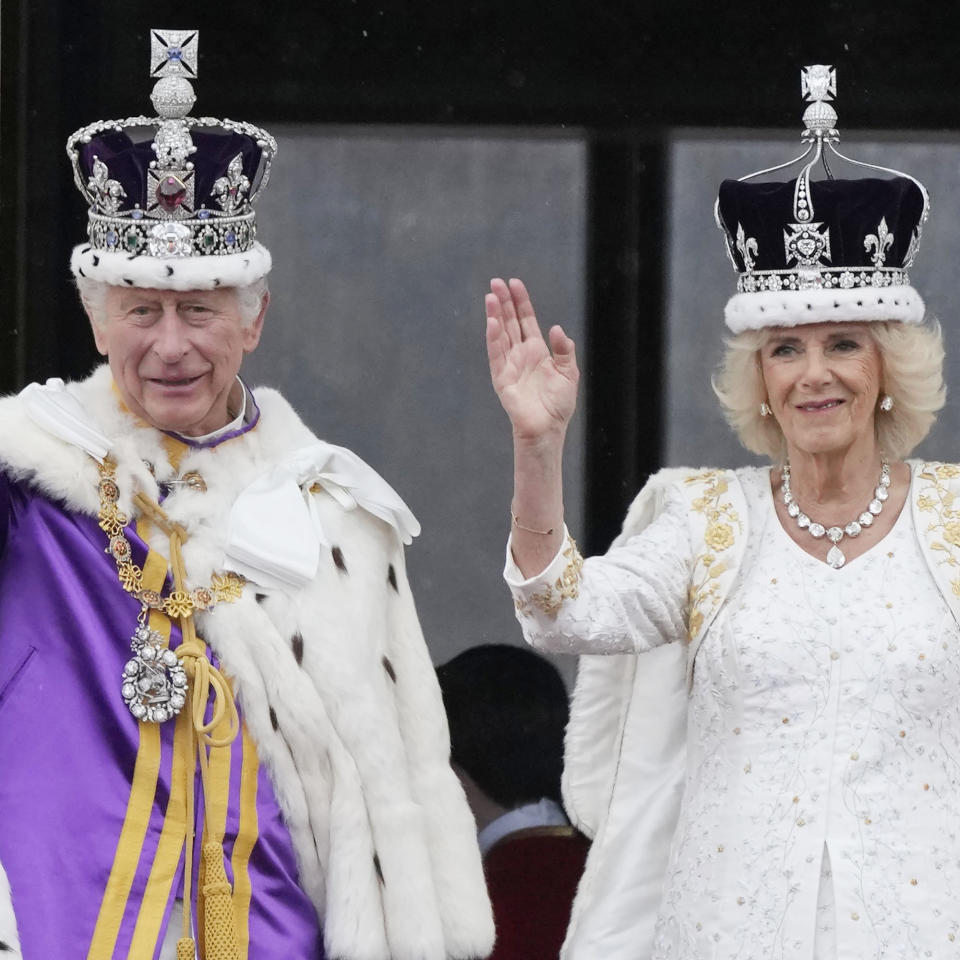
[912, 374]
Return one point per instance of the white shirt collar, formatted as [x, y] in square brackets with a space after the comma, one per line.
[543, 813]
[235, 424]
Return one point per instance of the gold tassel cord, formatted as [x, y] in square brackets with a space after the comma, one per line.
[219, 924]
[215, 915]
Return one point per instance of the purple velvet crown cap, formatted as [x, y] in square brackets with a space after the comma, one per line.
[852, 210]
[128, 162]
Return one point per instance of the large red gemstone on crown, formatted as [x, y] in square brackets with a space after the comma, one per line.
[171, 192]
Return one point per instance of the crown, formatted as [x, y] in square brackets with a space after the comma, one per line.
[172, 196]
[809, 250]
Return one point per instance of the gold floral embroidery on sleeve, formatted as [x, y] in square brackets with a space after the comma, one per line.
[943, 531]
[723, 525]
[566, 587]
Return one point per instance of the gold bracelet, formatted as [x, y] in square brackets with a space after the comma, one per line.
[517, 523]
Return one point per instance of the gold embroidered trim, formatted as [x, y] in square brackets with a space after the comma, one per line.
[723, 527]
[224, 587]
[566, 587]
[939, 499]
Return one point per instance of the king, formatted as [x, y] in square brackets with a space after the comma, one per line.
[220, 731]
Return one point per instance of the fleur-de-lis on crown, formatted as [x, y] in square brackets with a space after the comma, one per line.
[230, 190]
[880, 243]
[747, 247]
[912, 249]
[105, 192]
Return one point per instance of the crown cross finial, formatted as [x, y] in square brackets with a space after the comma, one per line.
[173, 53]
[818, 84]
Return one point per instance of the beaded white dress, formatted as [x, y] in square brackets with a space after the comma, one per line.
[822, 796]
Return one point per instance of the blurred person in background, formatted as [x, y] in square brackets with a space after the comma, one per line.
[507, 708]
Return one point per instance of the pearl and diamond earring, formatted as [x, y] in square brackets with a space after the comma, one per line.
[886, 403]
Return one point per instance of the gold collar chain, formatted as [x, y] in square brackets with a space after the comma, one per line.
[224, 587]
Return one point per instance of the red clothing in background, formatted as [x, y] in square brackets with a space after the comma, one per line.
[532, 875]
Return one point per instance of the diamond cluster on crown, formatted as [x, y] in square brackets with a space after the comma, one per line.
[821, 278]
[170, 224]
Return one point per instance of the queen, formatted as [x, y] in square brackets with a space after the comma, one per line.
[765, 731]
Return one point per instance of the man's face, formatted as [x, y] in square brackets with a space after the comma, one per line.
[175, 354]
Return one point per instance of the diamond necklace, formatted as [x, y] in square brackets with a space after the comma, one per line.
[835, 556]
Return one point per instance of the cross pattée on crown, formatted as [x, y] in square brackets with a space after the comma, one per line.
[173, 53]
[818, 82]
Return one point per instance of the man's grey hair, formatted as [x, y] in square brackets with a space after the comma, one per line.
[93, 293]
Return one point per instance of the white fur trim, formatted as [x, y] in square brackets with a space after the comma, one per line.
[791, 308]
[171, 273]
[8, 921]
[353, 737]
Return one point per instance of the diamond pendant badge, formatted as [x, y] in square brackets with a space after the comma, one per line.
[154, 683]
[835, 557]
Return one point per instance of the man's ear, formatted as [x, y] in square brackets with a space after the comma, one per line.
[251, 333]
[98, 336]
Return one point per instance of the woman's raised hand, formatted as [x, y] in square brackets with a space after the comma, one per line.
[536, 383]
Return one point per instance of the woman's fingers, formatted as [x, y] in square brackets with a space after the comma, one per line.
[497, 347]
[513, 336]
[561, 344]
[526, 317]
[508, 313]
[492, 305]
[498, 338]
[502, 290]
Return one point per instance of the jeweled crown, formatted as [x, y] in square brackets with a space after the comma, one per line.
[813, 250]
[188, 189]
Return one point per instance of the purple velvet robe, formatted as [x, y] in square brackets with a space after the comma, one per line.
[68, 748]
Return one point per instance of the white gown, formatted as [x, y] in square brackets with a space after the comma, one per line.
[822, 797]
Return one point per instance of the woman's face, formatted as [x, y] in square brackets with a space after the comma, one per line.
[822, 381]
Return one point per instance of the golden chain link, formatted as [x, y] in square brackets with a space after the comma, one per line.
[224, 587]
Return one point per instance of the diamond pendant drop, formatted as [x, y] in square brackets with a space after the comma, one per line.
[835, 557]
